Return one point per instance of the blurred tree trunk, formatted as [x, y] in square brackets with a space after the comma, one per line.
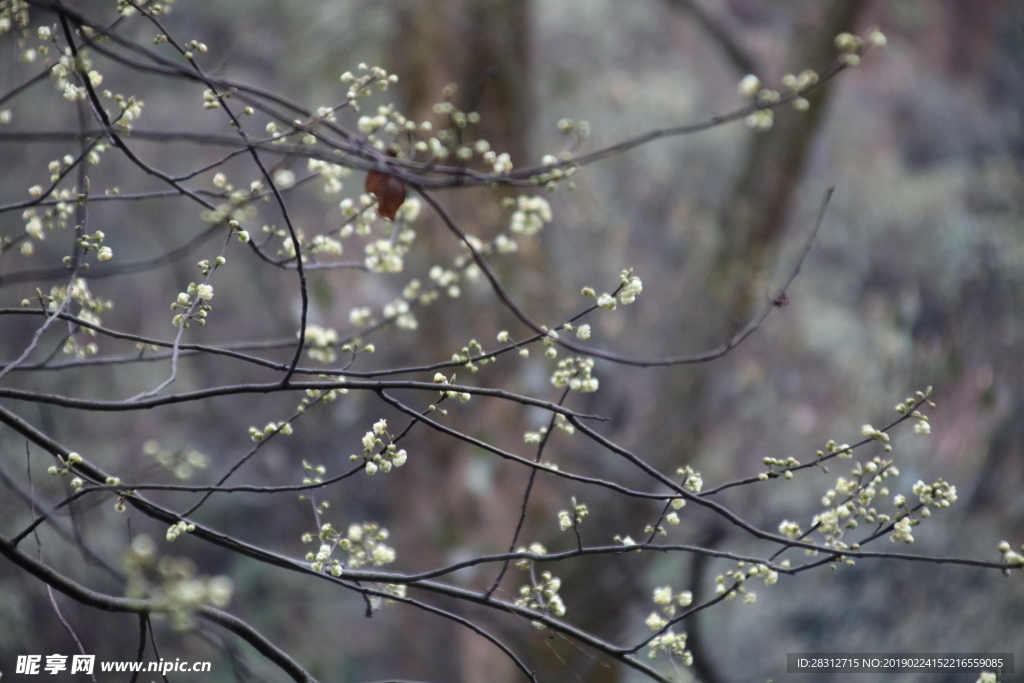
[483, 48]
[754, 216]
[751, 221]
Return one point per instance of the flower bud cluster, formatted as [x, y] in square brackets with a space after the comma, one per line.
[535, 549]
[269, 430]
[911, 405]
[852, 500]
[852, 46]
[739, 576]
[387, 457]
[89, 307]
[542, 595]
[668, 642]
[842, 451]
[560, 169]
[878, 435]
[321, 343]
[530, 215]
[630, 286]
[625, 541]
[691, 479]
[314, 474]
[364, 544]
[65, 464]
[172, 582]
[178, 529]
[672, 644]
[330, 173]
[360, 86]
[195, 308]
[576, 374]
[388, 256]
[127, 8]
[52, 218]
[571, 520]
[1011, 557]
[399, 311]
[939, 494]
[785, 465]
[470, 355]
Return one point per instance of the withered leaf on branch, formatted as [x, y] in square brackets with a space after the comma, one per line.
[389, 190]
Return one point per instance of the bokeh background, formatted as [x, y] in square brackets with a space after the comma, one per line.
[916, 279]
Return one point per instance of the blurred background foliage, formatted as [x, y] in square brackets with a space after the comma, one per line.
[916, 279]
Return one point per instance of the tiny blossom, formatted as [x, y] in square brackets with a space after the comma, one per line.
[876, 38]
[384, 256]
[749, 85]
[503, 163]
[847, 42]
[575, 373]
[583, 332]
[631, 288]
[505, 244]
[762, 119]
[663, 595]
[360, 317]
[530, 216]
[204, 292]
[564, 520]
[1013, 558]
[901, 531]
[382, 554]
[674, 644]
[693, 482]
[284, 178]
[790, 529]
[606, 301]
[410, 210]
[655, 621]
